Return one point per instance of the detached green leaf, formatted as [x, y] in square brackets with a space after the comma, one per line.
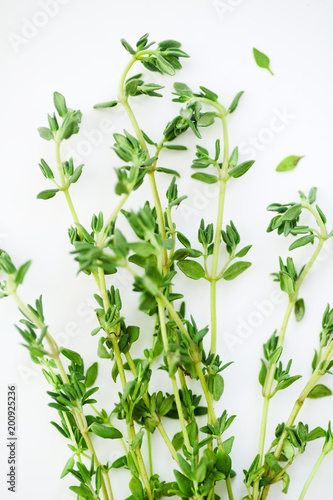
[319, 391]
[235, 270]
[288, 163]
[105, 431]
[207, 178]
[262, 60]
[191, 269]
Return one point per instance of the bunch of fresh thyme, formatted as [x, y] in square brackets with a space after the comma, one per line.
[200, 452]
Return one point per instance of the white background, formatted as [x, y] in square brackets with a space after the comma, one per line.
[75, 49]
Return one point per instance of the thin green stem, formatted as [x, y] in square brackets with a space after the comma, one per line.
[312, 475]
[160, 218]
[150, 454]
[316, 375]
[173, 378]
[141, 465]
[124, 100]
[223, 178]
[65, 185]
[96, 462]
[102, 235]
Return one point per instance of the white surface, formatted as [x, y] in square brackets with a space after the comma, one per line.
[77, 52]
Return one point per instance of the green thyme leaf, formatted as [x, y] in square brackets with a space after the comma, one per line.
[108, 104]
[302, 241]
[91, 375]
[299, 309]
[203, 177]
[45, 133]
[319, 391]
[191, 269]
[68, 466]
[235, 101]
[288, 163]
[235, 270]
[47, 194]
[240, 169]
[262, 60]
[105, 431]
[60, 104]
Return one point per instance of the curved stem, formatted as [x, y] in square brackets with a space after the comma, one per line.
[124, 101]
[317, 374]
[102, 237]
[312, 475]
[267, 390]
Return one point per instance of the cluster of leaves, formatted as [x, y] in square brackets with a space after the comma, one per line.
[287, 220]
[16, 275]
[272, 355]
[69, 125]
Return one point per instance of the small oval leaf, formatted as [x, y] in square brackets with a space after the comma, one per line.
[235, 270]
[105, 431]
[288, 163]
[262, 60]
[191, 269]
